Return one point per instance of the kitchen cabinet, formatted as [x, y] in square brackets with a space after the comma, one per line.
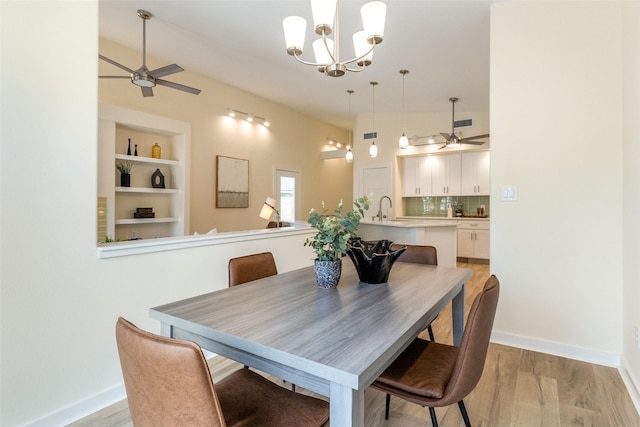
[169, 204]
[473, 239]
[475, 178]
[416, 176]
[445, 175]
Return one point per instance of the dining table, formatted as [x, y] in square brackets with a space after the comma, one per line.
[334, 342]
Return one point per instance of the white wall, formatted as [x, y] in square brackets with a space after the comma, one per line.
[556, 134]
[58, 302]
[631, 171]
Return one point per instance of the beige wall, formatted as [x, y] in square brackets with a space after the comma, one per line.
[556, 134]
[293, 141]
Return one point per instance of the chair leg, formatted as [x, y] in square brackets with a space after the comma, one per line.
[386, 407]
[293, 387]
[434, 419]
[465, 416]
[430, 330]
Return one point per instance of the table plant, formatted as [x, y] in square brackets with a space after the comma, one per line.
[125, 172]
[331, 241]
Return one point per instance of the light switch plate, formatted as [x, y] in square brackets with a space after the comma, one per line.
[508, 194]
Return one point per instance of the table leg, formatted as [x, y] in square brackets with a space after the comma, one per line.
[458, 316]
[347, 406]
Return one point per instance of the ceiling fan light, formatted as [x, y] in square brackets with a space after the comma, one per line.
[321, 51]
[404, 141]
[373, 19]
[142, 80]
[324, 13]
[373, 149]
[361, 46]
[294, 29]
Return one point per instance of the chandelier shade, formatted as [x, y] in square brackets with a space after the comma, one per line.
[327, 51]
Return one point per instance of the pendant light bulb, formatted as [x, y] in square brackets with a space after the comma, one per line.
[404, 141]
[373, 149]
[349, 155]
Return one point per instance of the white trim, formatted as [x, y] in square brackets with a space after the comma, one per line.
[631, 382]
[82, 409]
[557, 349]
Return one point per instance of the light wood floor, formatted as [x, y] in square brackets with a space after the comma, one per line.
[518, 388]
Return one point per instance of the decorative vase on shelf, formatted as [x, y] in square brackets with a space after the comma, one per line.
[155, 151]
[129, 148]
[373, 260]
[125, 180]
[327, 272]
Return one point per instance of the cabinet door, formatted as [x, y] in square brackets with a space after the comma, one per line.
[465, 243]
[483, 172]
[446, 175]
[481, 244]
[424, 175]
[410, 177]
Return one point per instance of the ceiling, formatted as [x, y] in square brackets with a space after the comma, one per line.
[444, 44]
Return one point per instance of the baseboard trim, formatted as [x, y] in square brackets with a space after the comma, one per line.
[82, 409]
[557, 349]
[631, 382]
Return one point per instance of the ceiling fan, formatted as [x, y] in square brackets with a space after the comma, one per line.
[451, 139]
[144, 77]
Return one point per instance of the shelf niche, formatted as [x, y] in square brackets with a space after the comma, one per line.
[116, 126]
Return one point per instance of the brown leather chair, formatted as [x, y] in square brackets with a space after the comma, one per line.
[419, 254]
[275, 224]
[168, 383]
[251, 267]
[435, 375]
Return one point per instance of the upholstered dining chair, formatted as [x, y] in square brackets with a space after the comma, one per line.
[251, 267]
[168, 383]
[419, 254]
[435, 375]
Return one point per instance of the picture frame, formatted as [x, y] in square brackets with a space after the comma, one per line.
[232, 182]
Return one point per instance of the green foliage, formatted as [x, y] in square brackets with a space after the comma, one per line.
[124, 167]
[334, 231]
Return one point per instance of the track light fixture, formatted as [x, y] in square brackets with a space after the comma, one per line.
[249, 117]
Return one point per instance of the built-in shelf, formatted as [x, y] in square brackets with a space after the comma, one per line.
[124, 221]
[149, 160]
[146, 190]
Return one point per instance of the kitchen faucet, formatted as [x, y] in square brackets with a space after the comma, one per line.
[380, 207]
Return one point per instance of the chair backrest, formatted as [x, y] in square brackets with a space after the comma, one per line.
[167, 380]
[251, 267]
[474, 344]
[275, 224]
[418, 254]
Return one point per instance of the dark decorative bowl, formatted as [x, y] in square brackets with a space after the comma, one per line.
[373, 260]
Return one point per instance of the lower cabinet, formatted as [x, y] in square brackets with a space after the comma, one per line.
[473, 239]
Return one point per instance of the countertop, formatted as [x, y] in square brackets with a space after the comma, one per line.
[440, 218]
[411, 223]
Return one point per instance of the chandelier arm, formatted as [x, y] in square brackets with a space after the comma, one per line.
[373, 45]
[302, 61]
[326, 46]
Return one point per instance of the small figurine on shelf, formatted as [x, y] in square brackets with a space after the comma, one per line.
[155, 151]
[135, 153]
[129, 148]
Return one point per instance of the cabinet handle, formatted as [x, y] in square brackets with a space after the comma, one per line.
[478, 188]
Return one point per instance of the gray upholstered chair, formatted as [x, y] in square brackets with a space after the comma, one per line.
[251, 267]
[419, 254]
[168, 383]
[435, 375]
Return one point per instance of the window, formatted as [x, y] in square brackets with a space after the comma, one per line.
[287, 189]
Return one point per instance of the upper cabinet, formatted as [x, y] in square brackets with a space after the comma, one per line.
[446, 175]
[155, 201]
[475, 173]
[416, 176]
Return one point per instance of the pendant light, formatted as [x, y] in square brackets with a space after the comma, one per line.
[404, 141]
[349, 156]
[373, 149]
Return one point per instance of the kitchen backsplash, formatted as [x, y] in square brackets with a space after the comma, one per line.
[437, 206]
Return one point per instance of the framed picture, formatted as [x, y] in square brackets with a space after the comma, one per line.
[232, 179]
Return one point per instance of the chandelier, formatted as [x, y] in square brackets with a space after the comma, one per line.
[326, 50]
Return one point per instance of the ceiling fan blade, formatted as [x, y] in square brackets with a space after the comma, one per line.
[464, 141]
[476, 137]
[443, 146]
[114, 77]
[112, 62]
[446, 136]
[178, 86]
[146, 91]
[166, 70]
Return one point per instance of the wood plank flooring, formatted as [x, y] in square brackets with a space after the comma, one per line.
[518, 388]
